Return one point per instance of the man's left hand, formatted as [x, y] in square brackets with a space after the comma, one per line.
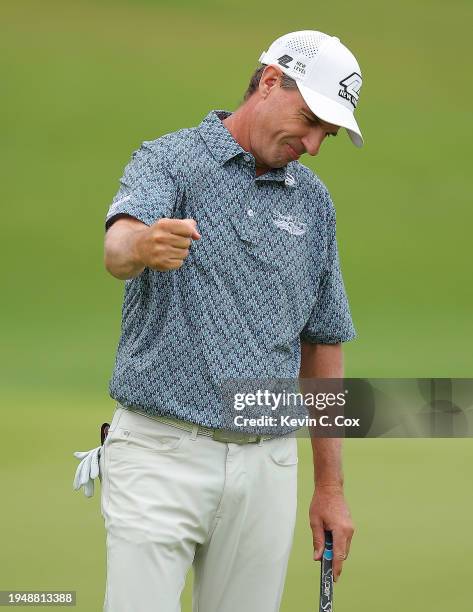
[329, 511]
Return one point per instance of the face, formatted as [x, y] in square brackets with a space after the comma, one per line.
[283, 127]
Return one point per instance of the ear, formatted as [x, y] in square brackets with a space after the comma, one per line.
[269, 80]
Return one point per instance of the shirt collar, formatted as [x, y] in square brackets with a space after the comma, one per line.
[223, 146]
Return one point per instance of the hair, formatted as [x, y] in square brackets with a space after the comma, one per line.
[286, 82]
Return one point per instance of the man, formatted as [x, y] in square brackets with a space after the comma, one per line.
[227, 247]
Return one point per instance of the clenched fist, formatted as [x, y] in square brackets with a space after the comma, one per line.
[165, 244]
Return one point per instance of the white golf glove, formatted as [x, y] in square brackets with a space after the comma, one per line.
[87, 470]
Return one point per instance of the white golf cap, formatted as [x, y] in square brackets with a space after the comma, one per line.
[327, 75]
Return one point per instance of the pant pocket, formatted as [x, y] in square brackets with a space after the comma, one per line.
[283, 451]
[140, 432]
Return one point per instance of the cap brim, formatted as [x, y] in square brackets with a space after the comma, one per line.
[328, 110]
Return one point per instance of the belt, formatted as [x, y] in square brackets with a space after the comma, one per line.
[219, 435]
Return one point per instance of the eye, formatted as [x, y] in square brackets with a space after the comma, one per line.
[307, 119]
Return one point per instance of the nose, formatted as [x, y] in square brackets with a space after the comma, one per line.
[313, 139]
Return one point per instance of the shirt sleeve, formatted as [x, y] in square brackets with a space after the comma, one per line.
[148, 191]
[330, 321]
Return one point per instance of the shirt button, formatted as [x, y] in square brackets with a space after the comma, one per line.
[247, 157]
[250, 212]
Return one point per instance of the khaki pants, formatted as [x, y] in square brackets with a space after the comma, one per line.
[172, 499]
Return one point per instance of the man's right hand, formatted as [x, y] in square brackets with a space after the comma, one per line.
[165, 244]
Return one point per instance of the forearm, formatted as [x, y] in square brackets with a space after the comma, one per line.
[327, 453]
[120, 253]
[324, 361]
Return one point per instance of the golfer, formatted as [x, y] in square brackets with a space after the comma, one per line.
[227, 247]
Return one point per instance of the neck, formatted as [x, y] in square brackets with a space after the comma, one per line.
[239, 125]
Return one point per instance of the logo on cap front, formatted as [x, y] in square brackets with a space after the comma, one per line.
[351, 86]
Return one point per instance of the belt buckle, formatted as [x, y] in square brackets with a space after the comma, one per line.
[221, 435]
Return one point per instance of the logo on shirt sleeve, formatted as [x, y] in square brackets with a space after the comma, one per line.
[116, 204]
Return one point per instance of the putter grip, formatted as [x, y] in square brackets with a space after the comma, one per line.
[326, 575]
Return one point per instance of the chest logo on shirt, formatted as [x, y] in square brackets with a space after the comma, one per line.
[289, 224]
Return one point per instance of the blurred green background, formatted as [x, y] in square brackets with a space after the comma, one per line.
[83, 84]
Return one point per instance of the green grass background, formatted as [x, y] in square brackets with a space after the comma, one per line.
[83, 84]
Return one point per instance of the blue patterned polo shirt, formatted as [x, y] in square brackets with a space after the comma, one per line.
[264, 275]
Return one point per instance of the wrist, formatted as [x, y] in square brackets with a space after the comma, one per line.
[329, 486]
[136, 258]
